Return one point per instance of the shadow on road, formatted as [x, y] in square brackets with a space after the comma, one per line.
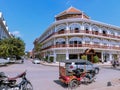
[61, 84]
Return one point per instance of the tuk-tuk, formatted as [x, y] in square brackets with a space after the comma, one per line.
[73, 79]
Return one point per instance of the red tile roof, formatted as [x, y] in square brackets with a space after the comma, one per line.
[71, 10]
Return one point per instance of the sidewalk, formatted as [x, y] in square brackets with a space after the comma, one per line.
[56, 64]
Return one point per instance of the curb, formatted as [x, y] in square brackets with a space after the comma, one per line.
[45, 64]
[57, 65]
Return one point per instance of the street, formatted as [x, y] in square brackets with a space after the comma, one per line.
[46, 77]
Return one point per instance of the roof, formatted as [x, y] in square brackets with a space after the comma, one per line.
[74, 11]
[70, 10]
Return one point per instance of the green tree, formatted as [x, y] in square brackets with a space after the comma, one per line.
[10, 47]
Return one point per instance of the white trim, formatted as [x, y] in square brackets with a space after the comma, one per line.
[75, 39]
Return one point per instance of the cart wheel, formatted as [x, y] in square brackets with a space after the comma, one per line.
[73, 84]
[86, 80]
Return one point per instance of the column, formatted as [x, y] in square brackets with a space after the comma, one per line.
[100, 30]
[102, 57]
[110, 57]
[67, 41]
[82, 26]
[54, 56]
[67, 54]
[90, 28]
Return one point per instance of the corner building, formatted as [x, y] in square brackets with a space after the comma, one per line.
[73, 32]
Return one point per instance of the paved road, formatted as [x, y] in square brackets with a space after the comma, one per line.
[46, 77]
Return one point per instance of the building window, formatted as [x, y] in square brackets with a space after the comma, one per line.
[62, 31]
[76, 30]
[104, 33]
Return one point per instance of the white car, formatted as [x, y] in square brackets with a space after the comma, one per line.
[36, 61]
[3, 62]
[72, 65]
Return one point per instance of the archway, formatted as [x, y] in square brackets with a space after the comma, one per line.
[90, 54]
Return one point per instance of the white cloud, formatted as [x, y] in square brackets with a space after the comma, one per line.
[16, 33]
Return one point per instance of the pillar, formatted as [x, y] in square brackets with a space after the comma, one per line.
[67, 55]
[110, 57]
[102, 57]
[54, 56]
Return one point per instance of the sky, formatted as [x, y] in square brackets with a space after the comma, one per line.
[28, 19]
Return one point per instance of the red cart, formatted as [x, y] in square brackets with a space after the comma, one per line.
[73, 79]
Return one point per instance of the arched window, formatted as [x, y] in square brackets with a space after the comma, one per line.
[96, 41]
[61, 29]
[86, 27]
[104, 32]
[113, 43]
[60, 42]
[105, 42]
[87, 40]
[95, 30]
[75, 41]
[74, 27]
[112, 33]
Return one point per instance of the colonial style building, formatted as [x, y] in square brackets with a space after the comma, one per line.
[4, 33]
[73, 32]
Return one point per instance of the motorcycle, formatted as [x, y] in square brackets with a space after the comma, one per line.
[89, 76]
[115, 63]
[7, 83]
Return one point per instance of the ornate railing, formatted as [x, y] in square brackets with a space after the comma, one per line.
[86, 32]
[83, 45]
[65, 32]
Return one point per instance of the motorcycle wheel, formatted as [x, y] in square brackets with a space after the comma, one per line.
[96, 70]
[86, 80]
[73, 84]
[27, 86]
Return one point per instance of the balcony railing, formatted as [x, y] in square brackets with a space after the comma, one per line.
[83, 45]
[64, 32]
[86, 32]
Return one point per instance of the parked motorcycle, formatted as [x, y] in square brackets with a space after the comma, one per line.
[89, 76]
[7, 83]
[115, 63]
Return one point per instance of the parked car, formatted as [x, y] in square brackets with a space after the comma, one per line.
[3, 61]
[82, 65]
[36, 61]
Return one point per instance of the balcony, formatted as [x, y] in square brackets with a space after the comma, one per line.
[83, 45]
[87, 32]
[65, 32]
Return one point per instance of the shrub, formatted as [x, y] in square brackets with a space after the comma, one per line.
[84, 57]
[95, 59]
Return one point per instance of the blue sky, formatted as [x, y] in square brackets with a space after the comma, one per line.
[28, 19]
